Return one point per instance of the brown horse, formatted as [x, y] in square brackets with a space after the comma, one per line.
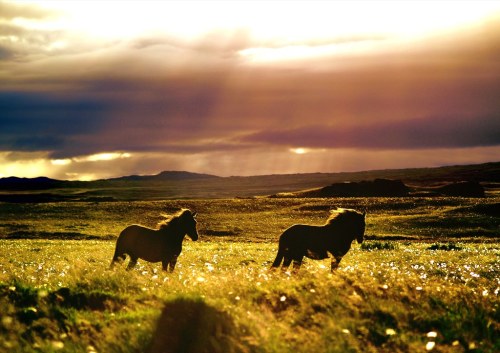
[316, 242]
[163, 244]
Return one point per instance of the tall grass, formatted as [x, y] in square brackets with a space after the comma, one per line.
[62, 296]
[410, 287]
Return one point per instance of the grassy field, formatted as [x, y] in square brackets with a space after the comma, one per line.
[427, 278]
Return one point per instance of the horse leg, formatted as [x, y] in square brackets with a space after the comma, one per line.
[171, 264]
[335, 262]
[132, 263]
[279, 258]
[296, 265]
[286, 262]
[117, 257]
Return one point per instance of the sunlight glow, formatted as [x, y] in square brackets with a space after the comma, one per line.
[260, 32]
[294, 52]
[299, 150]
[103, 157]
[28, 167]
[299, 21]
[57, 45]
[65, 161]
[82, 177]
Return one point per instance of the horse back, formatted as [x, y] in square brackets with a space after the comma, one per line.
[313, 241]
[301, 231]
[136, 230]
[145, 243]
[302, 235]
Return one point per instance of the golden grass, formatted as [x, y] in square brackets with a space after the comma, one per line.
[379, 300]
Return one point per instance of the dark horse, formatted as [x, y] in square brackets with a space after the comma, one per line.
[163, 244]
[315, 242]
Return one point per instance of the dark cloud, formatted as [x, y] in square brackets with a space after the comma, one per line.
[38, 112]
[36, 143]
[161, 94]
[37, 121]
[434, 132]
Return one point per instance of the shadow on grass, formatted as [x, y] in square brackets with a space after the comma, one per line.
[190, 325]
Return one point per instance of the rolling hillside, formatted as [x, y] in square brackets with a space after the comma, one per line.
[176, 184]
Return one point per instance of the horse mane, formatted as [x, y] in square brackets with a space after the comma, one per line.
[172, 219]
[340, 215]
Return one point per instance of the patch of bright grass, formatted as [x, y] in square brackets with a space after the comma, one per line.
[64, 298]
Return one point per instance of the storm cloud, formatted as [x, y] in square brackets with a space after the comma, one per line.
[230, 93]
[427, 133]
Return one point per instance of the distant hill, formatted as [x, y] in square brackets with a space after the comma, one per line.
[365, 188]
[44, 183]
[165, 176]
[388, 188]
[40, 183]
[182, 184]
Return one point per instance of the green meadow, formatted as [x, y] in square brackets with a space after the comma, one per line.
[426, 278]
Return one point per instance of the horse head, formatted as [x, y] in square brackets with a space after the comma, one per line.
[189, 221]
[360, 231]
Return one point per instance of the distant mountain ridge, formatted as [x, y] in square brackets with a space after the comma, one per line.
[185, 185]
[44, 183]
[164, 176]
[39, 183]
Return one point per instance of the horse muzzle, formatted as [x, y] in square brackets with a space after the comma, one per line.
[194, 236]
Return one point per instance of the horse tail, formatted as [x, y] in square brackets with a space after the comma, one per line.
[283, 245]
[115, 258]
[119, 254]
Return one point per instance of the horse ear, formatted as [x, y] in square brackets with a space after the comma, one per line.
[364, 212]
[194, 214]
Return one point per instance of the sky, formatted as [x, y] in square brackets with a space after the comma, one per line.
[99, 89]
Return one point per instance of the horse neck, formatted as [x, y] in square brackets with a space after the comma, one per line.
[174, 231]
[339, 232]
